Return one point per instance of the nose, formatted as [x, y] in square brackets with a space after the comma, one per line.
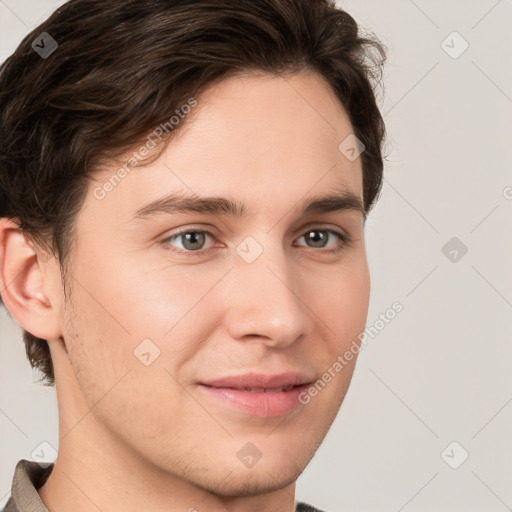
[264, 302]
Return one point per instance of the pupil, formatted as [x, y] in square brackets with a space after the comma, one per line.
[314, 238]
[192, 237]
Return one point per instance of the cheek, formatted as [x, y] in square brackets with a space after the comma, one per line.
[355, 300]
[343, 304]
[148, 321]
[112, 372]
[97, 345]
[138, 299]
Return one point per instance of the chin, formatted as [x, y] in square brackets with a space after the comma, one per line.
[252, 482]
[231, 478]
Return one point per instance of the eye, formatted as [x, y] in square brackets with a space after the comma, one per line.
[318, 237]
[193, 240]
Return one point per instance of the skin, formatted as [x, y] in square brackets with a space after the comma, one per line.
[136, 437]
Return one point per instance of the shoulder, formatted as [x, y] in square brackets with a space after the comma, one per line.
[28, 477]
[10, 506]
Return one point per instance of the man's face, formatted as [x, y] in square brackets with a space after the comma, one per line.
[263, 294]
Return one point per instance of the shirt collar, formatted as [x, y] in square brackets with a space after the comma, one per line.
[28, 477]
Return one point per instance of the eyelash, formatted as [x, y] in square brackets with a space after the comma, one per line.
[346, 240]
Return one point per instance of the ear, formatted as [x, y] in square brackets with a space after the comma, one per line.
[22, 285]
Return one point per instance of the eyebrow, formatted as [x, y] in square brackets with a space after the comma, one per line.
[180, 203]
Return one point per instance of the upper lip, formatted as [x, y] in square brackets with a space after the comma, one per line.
[260, 381]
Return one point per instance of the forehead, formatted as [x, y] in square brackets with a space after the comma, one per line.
[250, 136]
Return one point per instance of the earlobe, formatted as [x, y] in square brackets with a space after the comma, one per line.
[22, 284]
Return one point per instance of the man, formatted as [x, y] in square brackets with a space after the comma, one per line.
[184, 186]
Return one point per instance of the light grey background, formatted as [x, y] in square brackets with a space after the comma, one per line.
[440, 371]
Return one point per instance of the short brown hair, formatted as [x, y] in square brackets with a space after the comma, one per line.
[122, 67]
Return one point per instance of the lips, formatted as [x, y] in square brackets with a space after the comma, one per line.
[259, 382]
[258, 394]
[266, 390]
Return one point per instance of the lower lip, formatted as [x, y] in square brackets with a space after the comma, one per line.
[258, 403]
